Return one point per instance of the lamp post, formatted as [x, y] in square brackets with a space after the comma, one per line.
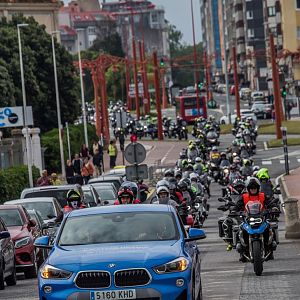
[61, 145]
[29, 162]
[82, 92]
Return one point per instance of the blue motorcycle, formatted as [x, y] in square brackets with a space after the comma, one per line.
[257, 235]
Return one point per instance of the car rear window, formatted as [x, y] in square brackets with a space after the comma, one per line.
[106, 194]
[60, 195]
[119, 228]
[46, 209]
[11, 217]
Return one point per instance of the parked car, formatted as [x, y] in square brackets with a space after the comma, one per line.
[258, 96]
[116, 180]
[7, 258]
[122, 252]
[244, 112]
[245, 93]
[262, 110]
[221, 88]
[23, 232]
[59, 192]
[107, 194]
[91, 196]
[48, 207]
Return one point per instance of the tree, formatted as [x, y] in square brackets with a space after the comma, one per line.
[38, 73]
[175, 37]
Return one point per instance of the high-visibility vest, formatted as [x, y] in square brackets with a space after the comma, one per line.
[112, 150]
[260, 197]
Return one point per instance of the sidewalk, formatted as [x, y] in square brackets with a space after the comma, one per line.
[291, 185]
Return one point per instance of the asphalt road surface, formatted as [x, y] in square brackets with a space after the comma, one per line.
[223, 276]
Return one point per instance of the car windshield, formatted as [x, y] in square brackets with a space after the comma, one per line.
[11, 217]
[60, 195]
[105, 194]
[119, 228]
[46, 209]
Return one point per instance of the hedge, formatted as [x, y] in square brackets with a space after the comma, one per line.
[50, 142]
[14, 180]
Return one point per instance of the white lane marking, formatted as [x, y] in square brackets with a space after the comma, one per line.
[266, 146]
[165, 157]
[266, 162]
[298, 159]
[282, 161]
[153, 148]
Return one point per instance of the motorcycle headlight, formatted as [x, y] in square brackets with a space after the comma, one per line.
[177, 265]
[22, 242]
[197, 205]
[183, 128]
[50, 272]
[226, 171]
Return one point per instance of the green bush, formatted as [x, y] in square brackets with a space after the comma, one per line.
[50, 142]
[14, 180]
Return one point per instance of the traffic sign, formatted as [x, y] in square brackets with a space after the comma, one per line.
[13, 116]
[136, 172]
[121, 118]
[135, 153]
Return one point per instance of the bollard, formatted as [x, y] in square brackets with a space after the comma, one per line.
[292, 222]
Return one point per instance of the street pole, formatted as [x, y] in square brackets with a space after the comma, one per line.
[143, 75]
[146, 79]
[276, 89]
[285, 150]
[135, 77]
[163, 86]
[157, 96]
[68, 140]
[82, 94]
[236, 84]
[29, 162]
[196, 75]
[60, 128]
[127, 79]
[206, 75]
[226, 63]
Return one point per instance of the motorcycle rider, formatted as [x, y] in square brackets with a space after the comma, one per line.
[169, 174]
[126, 196]
[186, 191]
[224, 162]
[195, 183]
[178, 175]
[198, 166]
[163, 197]
[266, 184]
[246, 169]
[192, 152]
[234, 173]
[214, 155]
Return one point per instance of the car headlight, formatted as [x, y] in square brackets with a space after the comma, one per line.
[177, 265]
[50, 272]
[22, 242]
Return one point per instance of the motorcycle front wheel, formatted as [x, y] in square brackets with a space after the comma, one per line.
[257, 257]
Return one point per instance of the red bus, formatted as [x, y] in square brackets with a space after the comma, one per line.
[186, 107]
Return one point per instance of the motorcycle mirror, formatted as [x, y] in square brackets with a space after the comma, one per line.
[221, 199]
[222, 207]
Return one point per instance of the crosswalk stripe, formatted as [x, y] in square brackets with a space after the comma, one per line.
[266, 162]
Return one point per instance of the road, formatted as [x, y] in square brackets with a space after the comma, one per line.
[223, 276]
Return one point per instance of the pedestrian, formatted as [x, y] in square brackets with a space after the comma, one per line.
[44, 180]
[54, 179]
[77, 165]
[70, 172]
[273, 115]
[97, 158]
[84, 151]
[87, 170]
[113, 153]
[289, 109]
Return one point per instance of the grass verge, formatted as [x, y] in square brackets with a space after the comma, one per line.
[293, 127]
[278, 143]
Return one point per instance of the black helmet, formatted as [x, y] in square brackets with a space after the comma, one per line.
[169, 173]
[178, 173]
[253, 182]
[132, 186]
[239, 185]
[182, 185]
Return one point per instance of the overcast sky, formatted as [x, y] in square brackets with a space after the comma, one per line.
[178, 12]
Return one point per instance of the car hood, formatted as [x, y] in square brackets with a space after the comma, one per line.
[17, 232]
[123, 255]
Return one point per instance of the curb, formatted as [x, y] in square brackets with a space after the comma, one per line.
[284, 191]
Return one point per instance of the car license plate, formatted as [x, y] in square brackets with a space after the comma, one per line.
[117, 295]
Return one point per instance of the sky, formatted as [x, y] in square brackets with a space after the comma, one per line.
[178, 13]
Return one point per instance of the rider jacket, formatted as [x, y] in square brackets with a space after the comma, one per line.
[136, 201]
[246, 197]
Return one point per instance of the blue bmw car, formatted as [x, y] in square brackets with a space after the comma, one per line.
[122, 252]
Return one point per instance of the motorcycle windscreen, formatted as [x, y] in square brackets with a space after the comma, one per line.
[254, 208]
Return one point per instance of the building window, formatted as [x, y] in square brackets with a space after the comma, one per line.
[271, 11]
[154, 18]
[297, 4]
[249, 15]
[92, 30]
[250, 33]
[298, 33]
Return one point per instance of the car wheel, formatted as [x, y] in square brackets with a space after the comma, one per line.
[2, 286]
[12, 279]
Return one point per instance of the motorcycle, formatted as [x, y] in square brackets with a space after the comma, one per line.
[212, 139]
[184, 213]
[182, 133]
[257, 240]
[214, 171]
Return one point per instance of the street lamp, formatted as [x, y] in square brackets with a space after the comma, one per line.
[61, 146]
[29, 162]
[82, 92]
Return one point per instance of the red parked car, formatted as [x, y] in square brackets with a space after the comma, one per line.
[23, 231]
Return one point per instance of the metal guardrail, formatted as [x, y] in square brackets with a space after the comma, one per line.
[157, 170]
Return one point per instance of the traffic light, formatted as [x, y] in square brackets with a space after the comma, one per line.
[283, 92]
[200, 85]
[162, 62]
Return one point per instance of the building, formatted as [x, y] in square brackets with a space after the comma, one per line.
[149, 24]
[45, 12]
[87, 25]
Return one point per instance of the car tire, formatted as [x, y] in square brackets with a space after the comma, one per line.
[2, 285]
[12, 279]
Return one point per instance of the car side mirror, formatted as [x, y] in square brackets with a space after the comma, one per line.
[43, 242]
[4, 235]
[195, 234]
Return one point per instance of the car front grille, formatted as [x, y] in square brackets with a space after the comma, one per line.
[93, 280]
[132, 277]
